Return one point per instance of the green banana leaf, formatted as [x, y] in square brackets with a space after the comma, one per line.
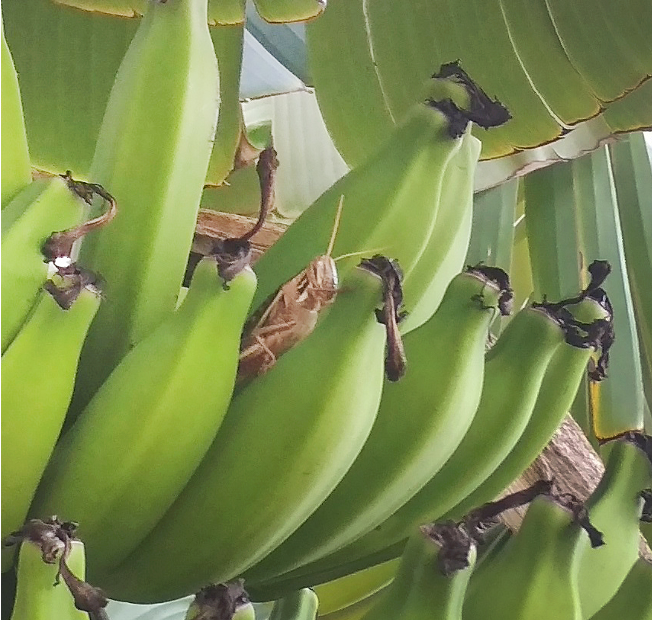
[540, 59]
[527, 59]
[67, 59]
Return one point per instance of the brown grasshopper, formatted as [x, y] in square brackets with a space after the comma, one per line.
[290, 315]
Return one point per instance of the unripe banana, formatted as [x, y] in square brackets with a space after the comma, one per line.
[152, 154]
[513, 374]
[39, 595]
[405, 176]
[16, 168]
[307, 419]
[421, 420]
[12, 211]
[634, 597]
[615, 509]
[535, 575]
[300, 605]
[563, 377]
[424, 588]
[38, 370]
[53, 207]
[134, 447]
[443, 256]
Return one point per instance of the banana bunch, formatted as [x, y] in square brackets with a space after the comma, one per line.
[127, 410]
[420, 422]
[569, 561]
[513, 386]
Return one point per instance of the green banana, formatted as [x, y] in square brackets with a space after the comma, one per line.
[351, 589]
[425, 587]
[513, 374]
[405, 175]
[38, 370]
[421, 420]
[134, 447]
[306, 418]
[12, 211]
[443, 256]
[152, 154]
[535, 575]
[53, 207]
[563, 377]
[16, 167]
[299, 605]
[634, 597]
[615, 509]
[38, 596]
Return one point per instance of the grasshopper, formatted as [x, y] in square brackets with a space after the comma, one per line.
[290, 315]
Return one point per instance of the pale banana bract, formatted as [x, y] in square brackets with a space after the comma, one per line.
[38, 371]
[513, 374]
[134, 447]
[152, 154]
[420, 591]
[535, 575]
[37, 595]
[421, 420]
[51, 206]
[303, 422]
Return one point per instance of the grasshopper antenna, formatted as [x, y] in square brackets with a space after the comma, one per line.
[336, 225]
